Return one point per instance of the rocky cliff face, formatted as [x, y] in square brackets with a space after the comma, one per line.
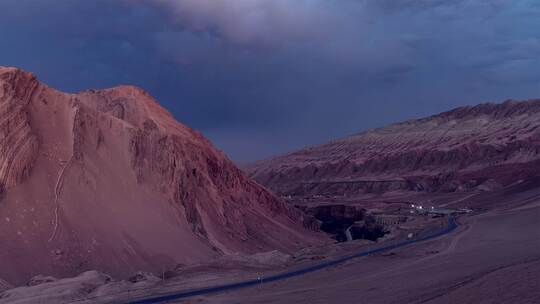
[19, 144]
[109, 180]
[484, 146]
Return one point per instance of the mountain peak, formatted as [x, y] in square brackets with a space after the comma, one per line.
[91, 178]
[508, 108]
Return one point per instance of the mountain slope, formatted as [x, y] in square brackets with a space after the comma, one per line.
[486, 146]
[108, 180]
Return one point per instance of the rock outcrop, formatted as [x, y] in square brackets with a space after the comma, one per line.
[485, 146]
[109, 180]
[19, 144]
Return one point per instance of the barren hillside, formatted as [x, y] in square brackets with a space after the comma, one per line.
[482, 147]
[109, 180]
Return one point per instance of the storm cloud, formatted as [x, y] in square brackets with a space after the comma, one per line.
[258, 23]
[261, 77]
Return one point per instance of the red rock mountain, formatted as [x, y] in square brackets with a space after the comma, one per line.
[109, 180]
[476, 147]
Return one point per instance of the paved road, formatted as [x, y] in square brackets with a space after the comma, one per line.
[452, 225]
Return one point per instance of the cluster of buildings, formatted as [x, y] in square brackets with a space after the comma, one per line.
[420, 209]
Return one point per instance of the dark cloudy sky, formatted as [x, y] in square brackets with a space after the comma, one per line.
[261, 77]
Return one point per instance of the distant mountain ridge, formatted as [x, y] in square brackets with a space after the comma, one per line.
[474, 147]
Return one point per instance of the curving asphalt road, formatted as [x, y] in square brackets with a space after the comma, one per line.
[452, 225]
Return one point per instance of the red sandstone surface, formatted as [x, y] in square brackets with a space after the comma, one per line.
[109, 180]
[483, 147]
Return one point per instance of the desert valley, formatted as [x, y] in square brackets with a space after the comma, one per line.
[270, 151]
[107, 199]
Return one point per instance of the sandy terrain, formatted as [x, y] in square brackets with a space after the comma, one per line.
[497, 248]
[493, 258]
